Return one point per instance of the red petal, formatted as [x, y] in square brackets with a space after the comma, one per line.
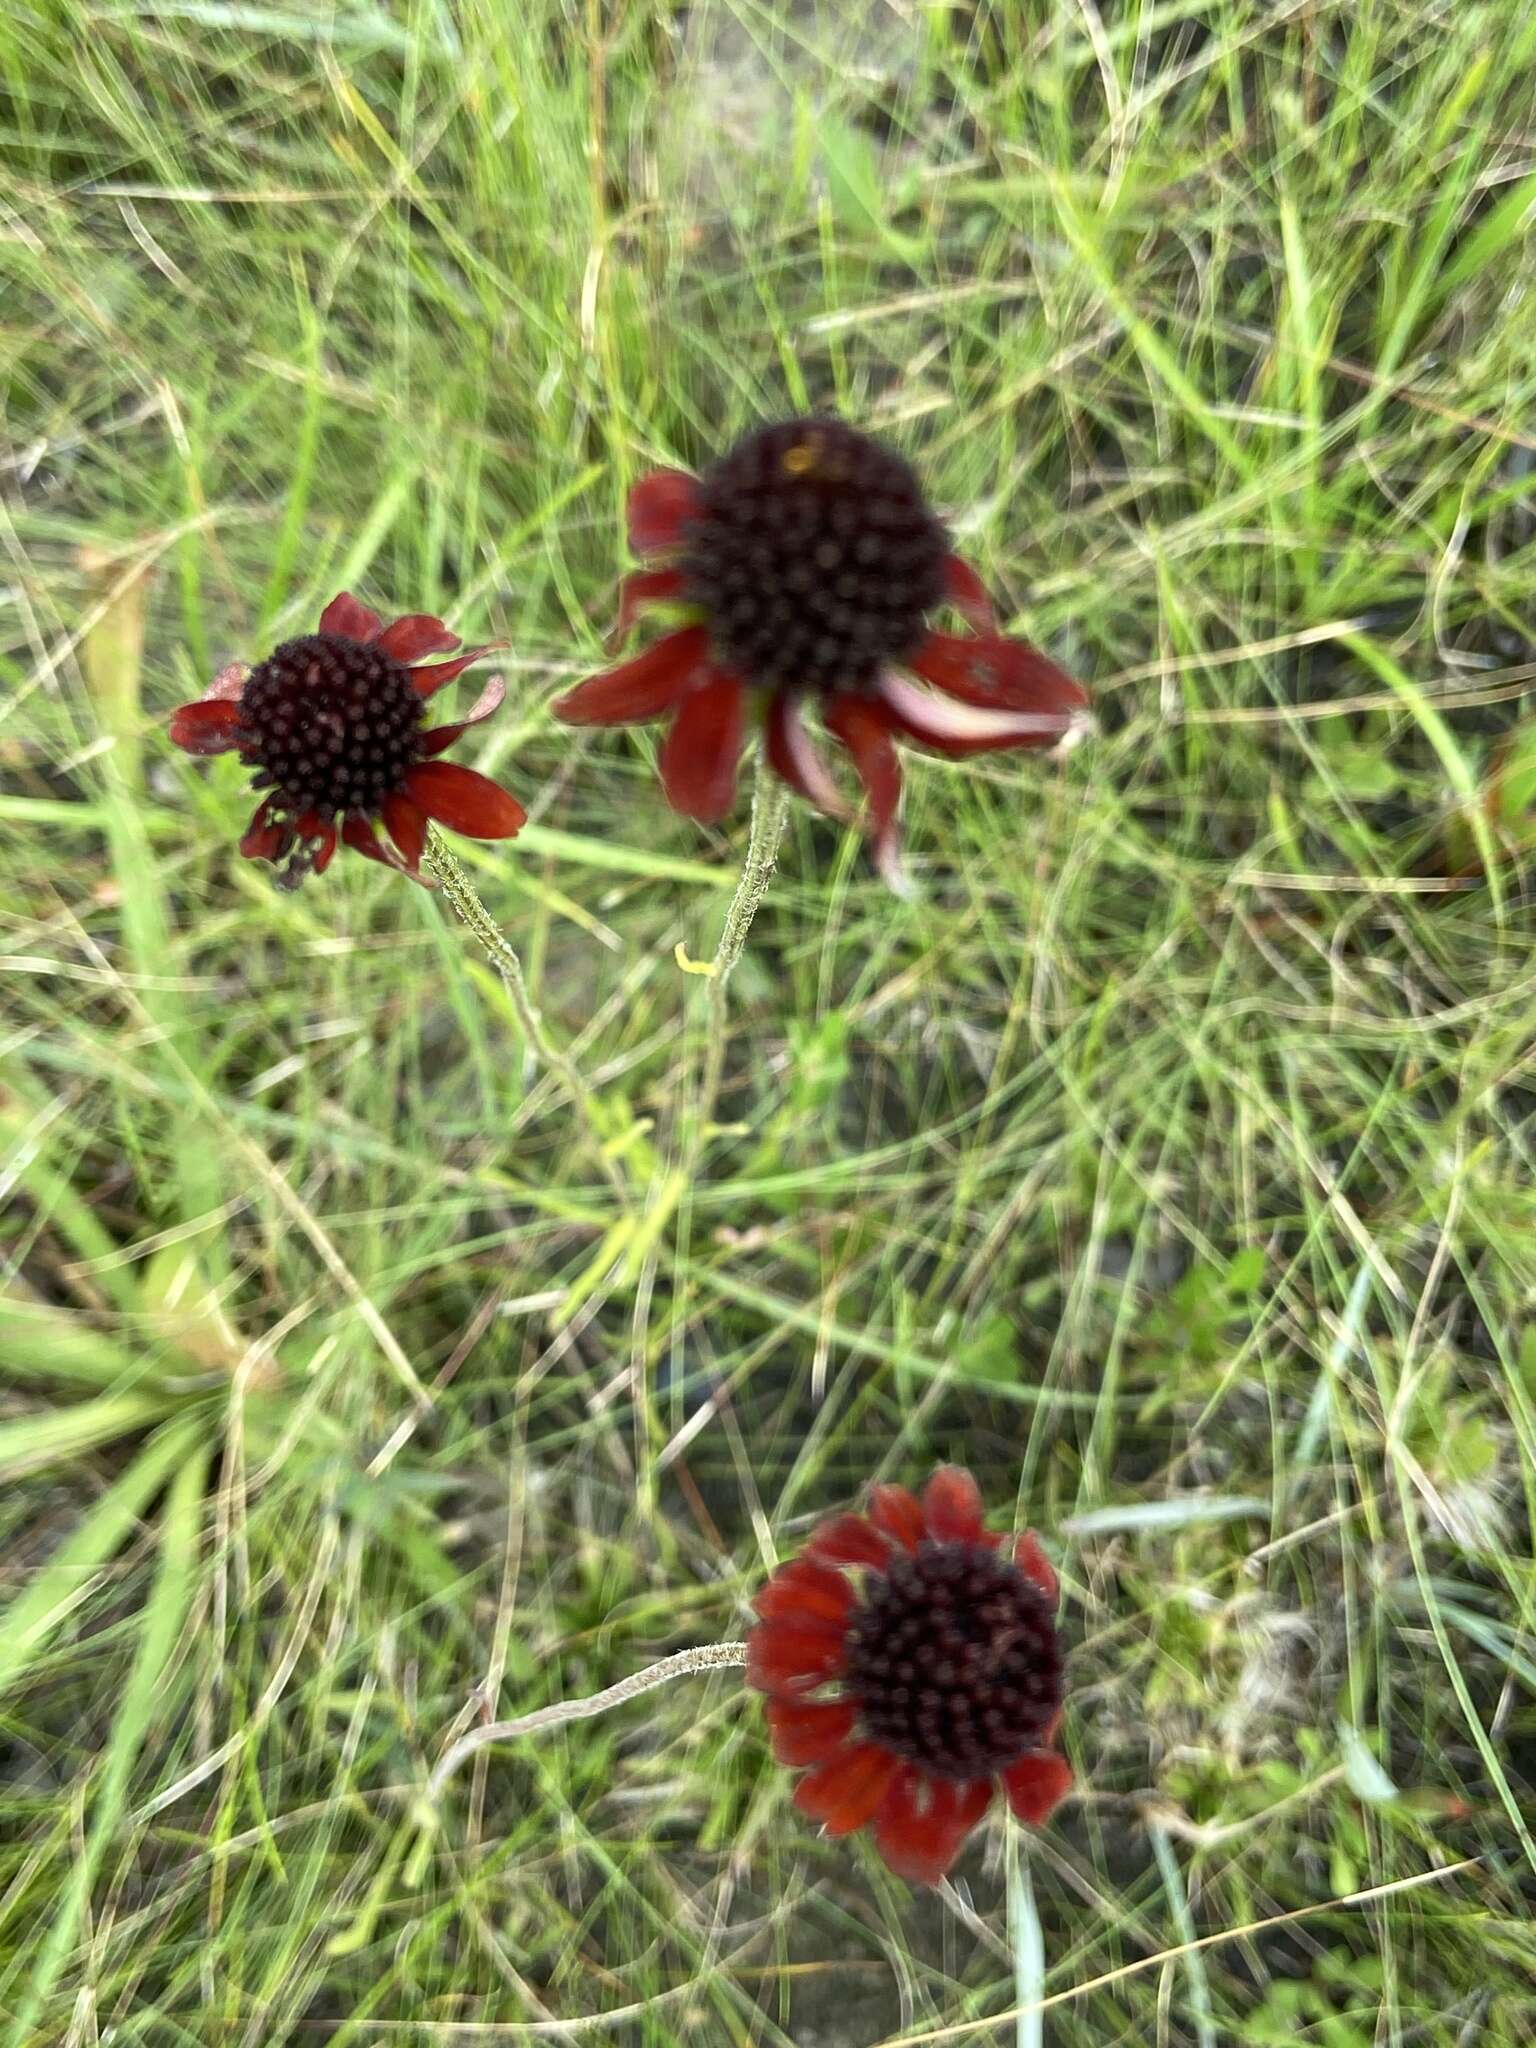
[952, 1506]
[206, 727]
[792, 1660]
[806, 1591]
[964, 589]
[263, 840]
[996, 674]
[1036, 1566]
[849, 1539]
[866, 733]
[320, 833]
[407, 823]
[896, 1511]
[353, 621]
[792, 754]
[700, 753]
[1036, 1785]
[358, 833]
[417, 633]
[646, 586]
[441, 737]
[807, 1731]
[464, 800]
[922, 1823]
[843, 1792]
[659, 508]
[428, 681]
[644, 688]
[960, 730]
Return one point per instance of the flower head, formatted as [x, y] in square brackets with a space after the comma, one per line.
[334, 725]
[912, 1666]
[809, 561]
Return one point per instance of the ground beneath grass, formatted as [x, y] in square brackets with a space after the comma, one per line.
[1168, 1158]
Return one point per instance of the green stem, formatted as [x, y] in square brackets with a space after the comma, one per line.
[460, 892]
[769, 803]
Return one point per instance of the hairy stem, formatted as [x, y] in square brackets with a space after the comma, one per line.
[460, 892]
[706, 1657]
[769, 802]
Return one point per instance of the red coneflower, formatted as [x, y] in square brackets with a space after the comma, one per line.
[912, 1666]
[334, 725]
[810, 561]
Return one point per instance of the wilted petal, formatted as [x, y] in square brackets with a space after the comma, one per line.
[960, 729]
[428, 681]
[965, 591]
[464, 800]
[407, 823]
[660, 506]
[265, 839]
[441, 737]
[793, 755]
[866, 733]
[996, 674]
[206, 727]
[358, 833]
[700, 753]
[417, 633]
[644, 688]
[643, 587]
[229, 682]
[351, 620]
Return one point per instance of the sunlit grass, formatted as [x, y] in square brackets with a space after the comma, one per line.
[1168, 1159]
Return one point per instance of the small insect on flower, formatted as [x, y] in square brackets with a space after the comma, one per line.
[334, 725]
[912, 1666]
[809, 562]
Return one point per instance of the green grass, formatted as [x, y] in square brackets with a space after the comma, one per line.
[1169, 1160]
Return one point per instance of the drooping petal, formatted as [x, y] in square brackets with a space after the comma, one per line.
[781, 1659]
[807, 1731]
[660, 506]
[699, 755]
[965, 591]
[897, 1512]
[464, 800]
[1036, 1785]
[319, 835]
[922, 1823]
[416, 634]
[206, 727]
[428, 681]
[644, 688]
[441, 737]
[643, 587]
[996, 674]
[265, 839]
[865, 731]
[844, 1792]
[407, 823]
[952, 1506]
[1037, 1567]
[358, 833]
[849, 1539]
[229, 683]
[344, 615]
[805, 1591]
[793, 755]
[960, 729]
